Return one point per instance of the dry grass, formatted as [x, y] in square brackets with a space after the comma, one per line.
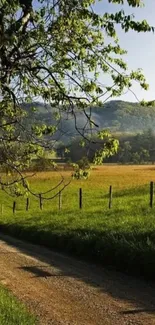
[121, 177]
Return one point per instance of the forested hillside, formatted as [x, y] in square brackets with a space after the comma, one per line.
[132, 124]
[115, 115]
[126, 116]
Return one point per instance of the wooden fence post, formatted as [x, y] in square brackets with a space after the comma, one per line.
[60, 200]
[110, 197]
[151, 194]
[80, 198]
[27, 203]
[14, 206]
[40, 202]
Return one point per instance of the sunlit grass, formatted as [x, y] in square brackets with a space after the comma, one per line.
[123, 236]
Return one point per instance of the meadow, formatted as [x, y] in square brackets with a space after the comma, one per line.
[122, 237]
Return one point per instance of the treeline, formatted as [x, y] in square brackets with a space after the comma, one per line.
[134, 148]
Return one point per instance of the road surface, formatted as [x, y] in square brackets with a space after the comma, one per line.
[63, 291]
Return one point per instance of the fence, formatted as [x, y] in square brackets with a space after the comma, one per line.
[80, 199]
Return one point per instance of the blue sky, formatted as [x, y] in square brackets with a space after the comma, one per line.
[140, 46]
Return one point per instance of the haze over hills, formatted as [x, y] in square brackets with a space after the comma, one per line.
[118, 116]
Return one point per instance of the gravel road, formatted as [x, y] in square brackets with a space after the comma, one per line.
[61, 290]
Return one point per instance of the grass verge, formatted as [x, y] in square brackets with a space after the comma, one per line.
[125, 241]
[13, 312]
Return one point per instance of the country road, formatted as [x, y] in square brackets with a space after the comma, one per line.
[63, 291]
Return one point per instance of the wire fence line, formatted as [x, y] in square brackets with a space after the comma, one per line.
[80, 199]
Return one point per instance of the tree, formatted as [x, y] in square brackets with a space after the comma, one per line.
[125, 152]
[55, 51]
[136, 158]
[144, 155]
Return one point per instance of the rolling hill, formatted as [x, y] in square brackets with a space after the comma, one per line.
[118, 116]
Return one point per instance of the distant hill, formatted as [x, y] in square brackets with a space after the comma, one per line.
[126, 116]
[118, 116]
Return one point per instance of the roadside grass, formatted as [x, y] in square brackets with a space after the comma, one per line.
[13, 312]
[122, 237]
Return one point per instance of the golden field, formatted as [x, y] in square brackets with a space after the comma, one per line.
[121, 177]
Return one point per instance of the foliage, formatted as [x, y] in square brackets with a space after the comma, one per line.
[56, 51]
[43, 162]
[137, 149]
[80, 173]
[133, 148]
[84, 163]
[81, 169]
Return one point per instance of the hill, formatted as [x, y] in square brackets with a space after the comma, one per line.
[118, 116]
[125, 116]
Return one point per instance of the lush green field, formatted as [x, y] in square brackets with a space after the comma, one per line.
[123, 237]
[12, 312]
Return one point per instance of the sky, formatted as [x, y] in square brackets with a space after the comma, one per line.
[140, 46]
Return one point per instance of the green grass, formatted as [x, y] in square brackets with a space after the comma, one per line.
[123, 237]
[12, 312]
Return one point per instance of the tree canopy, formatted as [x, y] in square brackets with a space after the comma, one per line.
[56, 51]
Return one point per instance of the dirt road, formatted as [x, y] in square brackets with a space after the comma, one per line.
[64, 291]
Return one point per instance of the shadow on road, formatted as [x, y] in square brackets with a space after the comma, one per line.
[138, 311]
[119, 286]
